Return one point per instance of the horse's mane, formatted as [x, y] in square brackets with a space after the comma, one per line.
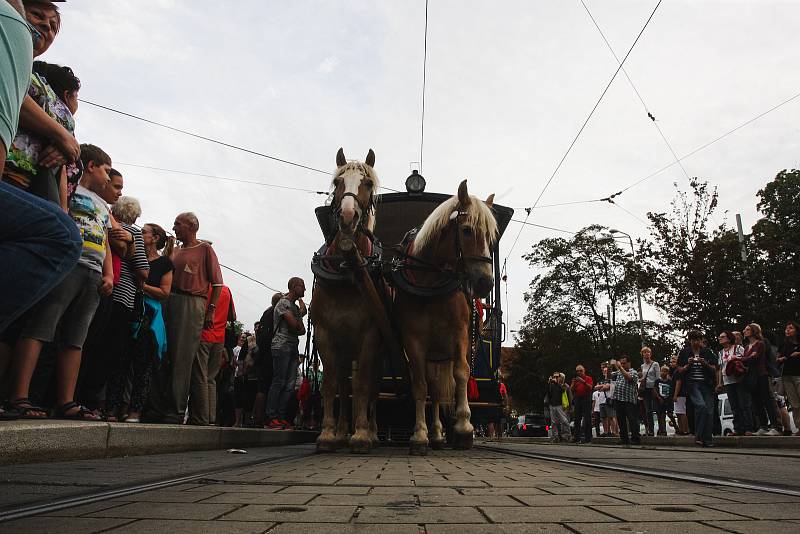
[479, 215]
[368, 171]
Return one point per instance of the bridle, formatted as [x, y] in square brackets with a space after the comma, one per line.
[461, 258]
[363, 210]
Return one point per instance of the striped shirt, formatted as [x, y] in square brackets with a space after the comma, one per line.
[125, 290]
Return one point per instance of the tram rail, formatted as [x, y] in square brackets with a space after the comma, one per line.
[114, 493]
[657, 473]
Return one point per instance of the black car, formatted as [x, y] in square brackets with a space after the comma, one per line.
[531, 425]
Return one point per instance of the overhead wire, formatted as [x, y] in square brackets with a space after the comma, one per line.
[635, 90]
[250, 278]
[583, 126]
[424, 82]
[204, 138]
[543, 226]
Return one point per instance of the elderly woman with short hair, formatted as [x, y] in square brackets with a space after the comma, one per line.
[133, 271]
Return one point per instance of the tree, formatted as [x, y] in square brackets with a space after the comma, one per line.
[774, 253]
[691, 272]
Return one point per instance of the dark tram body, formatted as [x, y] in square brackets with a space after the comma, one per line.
[397, 213]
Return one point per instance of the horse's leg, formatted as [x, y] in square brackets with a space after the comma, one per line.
[462, 430]
[419, 390]
[326, 441]
[362, 393]
[437, 437]
[343, 423]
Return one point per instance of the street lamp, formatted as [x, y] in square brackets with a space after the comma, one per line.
[638, 291]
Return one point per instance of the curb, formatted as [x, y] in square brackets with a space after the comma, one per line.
[36, 441]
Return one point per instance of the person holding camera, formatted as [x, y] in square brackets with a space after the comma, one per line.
[626, 393]
[699, 367]
[559, 399]
[581, 387]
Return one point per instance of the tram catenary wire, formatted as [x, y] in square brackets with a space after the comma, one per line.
[657, 473]
[583, 126]
[204, 138]
[424, 80]
[78, 500]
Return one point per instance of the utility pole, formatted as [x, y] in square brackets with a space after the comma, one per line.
[741, 238]
[638, 290]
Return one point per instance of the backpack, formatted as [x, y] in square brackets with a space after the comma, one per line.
[266, 332]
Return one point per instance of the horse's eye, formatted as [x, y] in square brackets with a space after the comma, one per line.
[369, 184]
[467, 231]
[337, 181]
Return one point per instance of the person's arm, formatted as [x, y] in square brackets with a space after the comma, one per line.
[212, 305]
[36, 120]
[162, 291]
[107, 284]
[121, 240]
[294, 324]
[62, 189]
[678, 386]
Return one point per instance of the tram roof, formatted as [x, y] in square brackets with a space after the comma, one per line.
[397, 213]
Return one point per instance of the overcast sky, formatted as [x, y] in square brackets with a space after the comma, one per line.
[508, 86]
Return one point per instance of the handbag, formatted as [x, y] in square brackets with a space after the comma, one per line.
[643, 381]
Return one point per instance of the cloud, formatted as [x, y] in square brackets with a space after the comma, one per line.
[328, 65]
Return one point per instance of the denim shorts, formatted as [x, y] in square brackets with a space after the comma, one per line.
[68, 309]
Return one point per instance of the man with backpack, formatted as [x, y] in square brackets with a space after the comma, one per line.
[263, 365]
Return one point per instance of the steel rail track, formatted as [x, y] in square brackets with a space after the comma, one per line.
[657, 473]
[88, 498]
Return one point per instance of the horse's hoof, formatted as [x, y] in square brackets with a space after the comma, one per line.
[326, 446]
[437, 445]
[462, 441]
[359, 446]
[418, 449]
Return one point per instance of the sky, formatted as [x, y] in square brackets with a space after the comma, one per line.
[508, 86]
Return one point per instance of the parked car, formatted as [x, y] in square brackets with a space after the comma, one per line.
[531, 425]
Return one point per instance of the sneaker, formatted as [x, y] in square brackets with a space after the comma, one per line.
[761, 432]
[773, 432]
[748, 433]
[274, 425]
[796, 433]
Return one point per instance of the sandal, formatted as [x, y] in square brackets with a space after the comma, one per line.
[26, 410]
[82, 414]
[9, 414]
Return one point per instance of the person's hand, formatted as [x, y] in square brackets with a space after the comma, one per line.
[51, 157]
[674, 399]
[69, 147]
[780, 359]
[209, 320]
[121, 234]
[794, 354]
[106, 285]
[719, 388]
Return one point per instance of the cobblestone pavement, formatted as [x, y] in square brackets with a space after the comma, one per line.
[445, 492]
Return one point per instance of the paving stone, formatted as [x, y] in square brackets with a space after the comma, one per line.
[427, 514]
[504, 491]
[417, 491]
[333, 528]
[748, 527]
[329, 490]
[759, 511]
[552, 514]
[262, 498]
[77, 511]
[61, 525]
[671, 498]
[686, 527]
[580, 490]
[174, 510]
[667, 512]
[193, 527]
[170, 496]
[389, 499]
[753, 497]
[236, 488]
[565, 500]
[468, 500]
[292, 513]
[512, 528]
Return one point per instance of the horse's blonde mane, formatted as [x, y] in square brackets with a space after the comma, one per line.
[479, 215]
[366, 170]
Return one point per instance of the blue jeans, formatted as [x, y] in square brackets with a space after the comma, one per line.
[39, 245]
[284, 375]
[742, 407]
[702, 397]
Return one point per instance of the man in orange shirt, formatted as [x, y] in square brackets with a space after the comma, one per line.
[203, 388]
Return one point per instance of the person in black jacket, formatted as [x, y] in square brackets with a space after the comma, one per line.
[699, 367]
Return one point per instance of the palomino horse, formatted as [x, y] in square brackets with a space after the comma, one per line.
[344, 321]
[454, 242]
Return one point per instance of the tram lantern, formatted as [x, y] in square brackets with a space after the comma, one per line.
[415, 183]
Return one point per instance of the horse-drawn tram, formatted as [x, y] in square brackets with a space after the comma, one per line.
[406, 302]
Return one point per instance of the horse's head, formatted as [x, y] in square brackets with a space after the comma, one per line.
[464, 229]
[354, 189]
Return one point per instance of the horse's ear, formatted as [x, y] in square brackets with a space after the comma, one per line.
[490, 201]
[463, 194]
[340, 159]
[370, 158]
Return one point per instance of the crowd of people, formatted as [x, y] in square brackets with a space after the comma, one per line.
[762, 384]
[102, 318]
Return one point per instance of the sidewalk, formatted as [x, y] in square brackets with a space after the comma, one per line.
[48, 440]
[742, 442]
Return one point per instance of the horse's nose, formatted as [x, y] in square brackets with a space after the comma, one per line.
[483, 285]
